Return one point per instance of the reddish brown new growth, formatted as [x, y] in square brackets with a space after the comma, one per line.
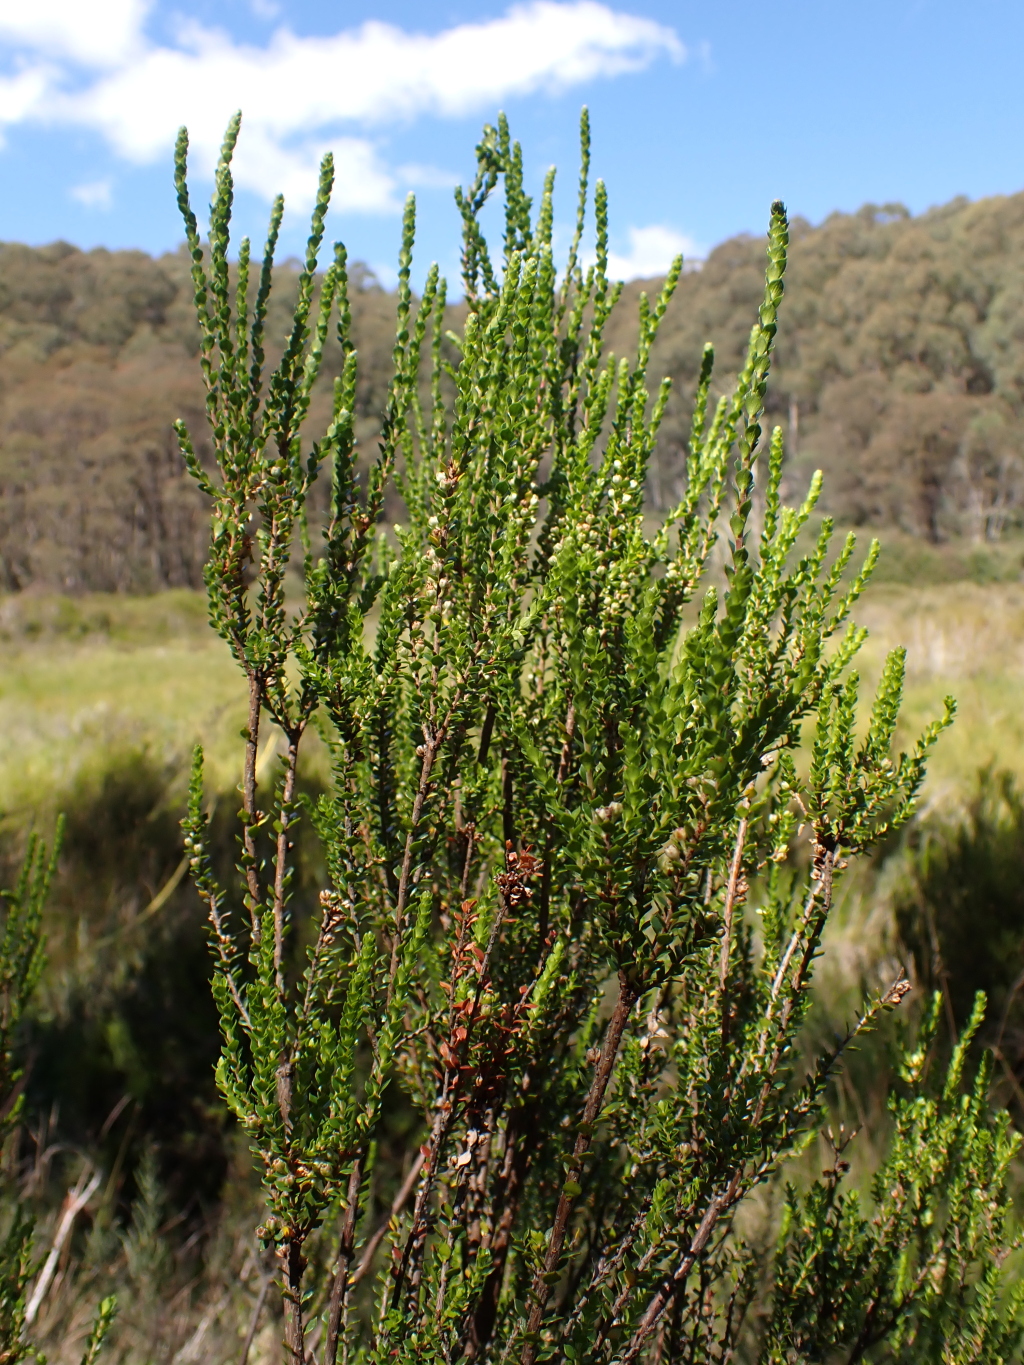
[482, 1033]
[465, 947]
[513, 882]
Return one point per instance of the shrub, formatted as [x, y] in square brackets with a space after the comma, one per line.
[960, 908]
[21, 963]
[563, 917]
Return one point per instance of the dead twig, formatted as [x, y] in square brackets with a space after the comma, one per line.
[74, 1203]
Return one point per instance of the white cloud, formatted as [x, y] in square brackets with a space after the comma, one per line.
[421, 176]
[651, 251]
[96, 194]
[22, 94]
[299, 93]
[96, 33]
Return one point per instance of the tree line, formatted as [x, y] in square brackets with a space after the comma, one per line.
[901, 371]
[98, 357]
[901, 375]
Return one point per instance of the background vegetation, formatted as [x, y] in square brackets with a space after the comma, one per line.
[899, 370]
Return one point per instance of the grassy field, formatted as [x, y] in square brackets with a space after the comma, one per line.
[82, 677]
[965, 639]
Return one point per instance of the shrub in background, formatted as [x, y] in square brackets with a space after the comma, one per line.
[959, 912]
[21, 963]
[562, 916]
[123, 1033]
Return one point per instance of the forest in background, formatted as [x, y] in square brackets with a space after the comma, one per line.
[899, 368]
[899, 372]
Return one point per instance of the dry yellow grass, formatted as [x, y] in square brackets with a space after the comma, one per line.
[965, 639]
[82, 678]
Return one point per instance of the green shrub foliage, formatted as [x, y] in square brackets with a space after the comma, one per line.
[959, 912]
[575, 783]
[21, 964]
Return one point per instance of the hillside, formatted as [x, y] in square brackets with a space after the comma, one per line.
[98, 356]
[900, 371]
[900, 360]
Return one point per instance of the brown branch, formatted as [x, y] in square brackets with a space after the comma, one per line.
[519, 1132]
[640, 1268]
[443, 1122]
[418, 1231]
[467, 862]
[293, 1265]
[486, 730]
[281, 853]
[397, 1205]
[825, 861]
[430, 751]
[225, 949]
[286, 1065]
[508, 820]
[346, 1249]
[610, 1265]
[249, 812]
[446, 1110]
[541, 1291]
[435, 742]
[870, 1335]
[670, 1287]
[729, 910]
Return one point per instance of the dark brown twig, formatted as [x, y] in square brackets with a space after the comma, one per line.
[541, 1289]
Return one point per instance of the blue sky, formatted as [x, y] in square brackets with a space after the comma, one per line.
[701, 114]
